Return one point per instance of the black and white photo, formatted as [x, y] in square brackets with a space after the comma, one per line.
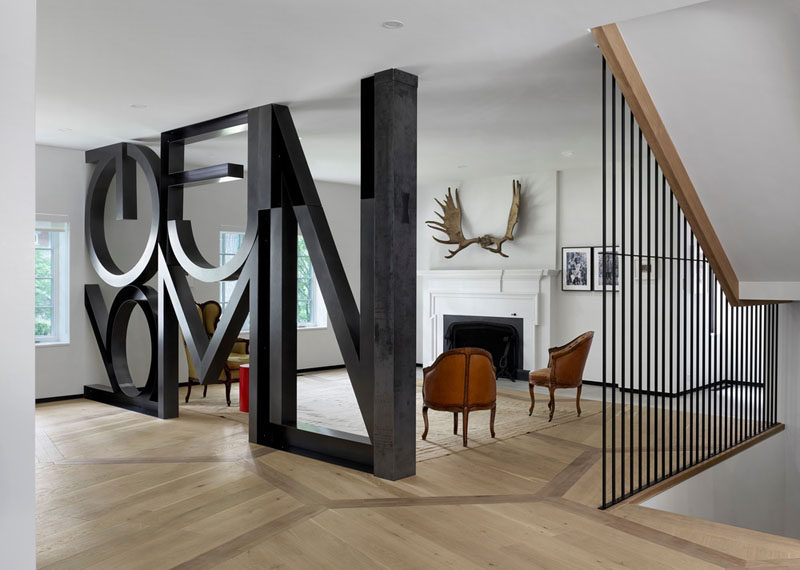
[606, 268]
[576, 266]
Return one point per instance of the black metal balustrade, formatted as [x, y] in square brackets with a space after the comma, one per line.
[688, 375]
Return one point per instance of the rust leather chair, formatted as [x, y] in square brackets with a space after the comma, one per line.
[564, 370]
[210, 311]
[461, 380]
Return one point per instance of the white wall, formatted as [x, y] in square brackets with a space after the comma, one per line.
[579, 224]
[485, 206]
[485, 203]
[17, 162]
[61, 179]
[730, 107]
[746, 490]
[789, 410]
[342, 203]
[560, 209]
[61, 189]
[760, 487]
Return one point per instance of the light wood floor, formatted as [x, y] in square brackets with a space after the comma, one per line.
[118, 489]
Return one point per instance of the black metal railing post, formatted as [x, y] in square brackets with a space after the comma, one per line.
[699, 372]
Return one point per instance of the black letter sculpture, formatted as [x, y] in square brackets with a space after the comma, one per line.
[377, 342]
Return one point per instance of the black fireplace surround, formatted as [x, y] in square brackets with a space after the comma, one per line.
[501, 336]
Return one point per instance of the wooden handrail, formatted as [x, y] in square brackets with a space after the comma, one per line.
[620, 62]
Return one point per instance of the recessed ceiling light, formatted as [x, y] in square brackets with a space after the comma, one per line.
[65, 130]
[392, 24]
[138, 106]
[567, 153]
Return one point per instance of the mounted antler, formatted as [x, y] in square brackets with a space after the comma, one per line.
[450, 224]
[488, 241]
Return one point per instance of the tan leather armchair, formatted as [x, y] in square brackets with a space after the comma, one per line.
[210, 312]
[460, 380]
[564, 370]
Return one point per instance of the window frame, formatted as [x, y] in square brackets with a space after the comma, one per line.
[224, 257]
[312, 298]
[58, 228]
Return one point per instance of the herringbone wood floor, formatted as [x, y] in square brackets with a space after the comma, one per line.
[118, 489]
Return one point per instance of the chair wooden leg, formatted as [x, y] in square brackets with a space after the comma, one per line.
[466, 419]
[188, 390]
[533, 400]
[228, 385]
[491, 420]
[578, 401]
[425, 419]
[455, 423]
[552, 402]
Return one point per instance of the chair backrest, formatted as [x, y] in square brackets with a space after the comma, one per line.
[569, 360]
[460, 377]
[210, 312]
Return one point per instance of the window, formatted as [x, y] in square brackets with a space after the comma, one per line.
[229, 244]
[310, 309]
[51, 280]
[305, 286]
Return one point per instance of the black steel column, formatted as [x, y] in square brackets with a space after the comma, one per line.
[260, 173]
[632, 354]
[775, 365]
[640, 308]
[649, 347]
[683, 292]
[367, 277]
[168, 348]
[622, 290]
[395, 184]
[674, 440]
[605, 327]
[614, 290]
[664, 316]
[283, 306]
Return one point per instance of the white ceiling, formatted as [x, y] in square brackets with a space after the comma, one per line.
[505, 87]
[725, 78]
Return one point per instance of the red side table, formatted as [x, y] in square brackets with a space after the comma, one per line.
[244, 388]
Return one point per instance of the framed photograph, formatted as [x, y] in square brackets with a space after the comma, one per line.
[576, 264]
[606, 268]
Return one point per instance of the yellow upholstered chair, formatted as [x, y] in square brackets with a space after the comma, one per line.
[210, 312]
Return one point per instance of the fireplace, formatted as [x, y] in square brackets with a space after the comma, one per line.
[486, 295]
[500, 336]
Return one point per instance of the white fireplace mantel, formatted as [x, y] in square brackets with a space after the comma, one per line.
[487, 293]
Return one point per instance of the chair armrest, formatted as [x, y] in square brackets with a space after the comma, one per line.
[559, 352]
[555, 352]
[553, 349]
[241, 346]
